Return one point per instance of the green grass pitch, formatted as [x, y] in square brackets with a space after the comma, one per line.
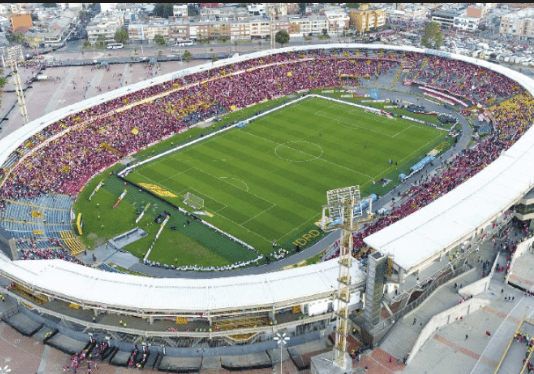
[268, 181]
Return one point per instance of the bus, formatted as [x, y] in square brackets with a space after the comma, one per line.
[183, 43]
[115, 45]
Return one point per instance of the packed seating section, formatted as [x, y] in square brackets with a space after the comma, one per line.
[50, 176]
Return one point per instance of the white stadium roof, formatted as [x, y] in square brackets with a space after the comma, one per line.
[88, 286]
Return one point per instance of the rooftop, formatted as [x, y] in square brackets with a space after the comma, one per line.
[89, 286]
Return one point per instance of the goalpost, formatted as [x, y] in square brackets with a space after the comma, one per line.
[193, 201]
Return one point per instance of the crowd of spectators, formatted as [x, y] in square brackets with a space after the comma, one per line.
[66, 163]
[127, 124]
[54, 250]
[510, 125]
[477, 84]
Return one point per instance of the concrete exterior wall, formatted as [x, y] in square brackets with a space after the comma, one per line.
[475, 288]
[521, 249]
[445, 318]
[480, 285]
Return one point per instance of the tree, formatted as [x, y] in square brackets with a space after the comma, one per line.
[16, 38]
[187, 56]
[302, 8]
[100, 40]
[432, 37]
[3, 82]
[353, 5]
[84, 14]
[192, 12]
[214, 58]
[164, 10]
[325, 32]
[160, 39]
[282, 37]
[121, 36]
[86, 44]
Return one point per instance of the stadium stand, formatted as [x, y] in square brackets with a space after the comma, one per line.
[66, 152]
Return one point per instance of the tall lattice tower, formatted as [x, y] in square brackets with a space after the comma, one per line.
[345, 210]
[11, 56]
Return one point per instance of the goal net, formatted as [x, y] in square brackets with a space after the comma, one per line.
[193, 201]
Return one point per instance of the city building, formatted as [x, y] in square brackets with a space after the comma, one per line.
[445, 18]
[178, 31]
[179, 10]
[239, 30]
[260, 27]
[51, 30]
[146, 32]
[104, 27]
[278, 9]
[256, 9]
[520, 5]
[9, 8]
[219, 30]
[5, 25]
[305, 26]
[338, 20]
[199, 30]
[107, 7]
[466, 23]
[520, 23]
[293, 8]
[365, 18]
[477, 11]
[130, 11]
[415, 13]
[393, 15]
[223, 13]
[20, 21]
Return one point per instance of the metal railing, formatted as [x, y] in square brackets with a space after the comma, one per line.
[462, 256]
[174, 334]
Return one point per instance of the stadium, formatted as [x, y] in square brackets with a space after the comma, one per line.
[412, 248]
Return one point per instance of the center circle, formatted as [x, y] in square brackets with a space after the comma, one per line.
[298, 151]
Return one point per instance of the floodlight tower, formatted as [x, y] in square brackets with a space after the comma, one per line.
[11, 56]
[345, 211]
